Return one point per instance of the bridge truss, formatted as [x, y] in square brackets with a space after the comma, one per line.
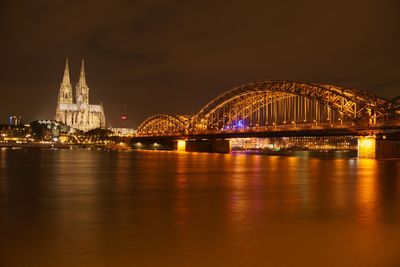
[163, 124]
[268, 105]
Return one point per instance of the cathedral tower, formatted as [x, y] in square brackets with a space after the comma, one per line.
[65, 94]
[79, 114]
[81, 89]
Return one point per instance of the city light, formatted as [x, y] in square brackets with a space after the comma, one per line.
[367, 147]
[181, 146]
[200, 133]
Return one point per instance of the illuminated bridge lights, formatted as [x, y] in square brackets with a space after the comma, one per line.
[276, 105]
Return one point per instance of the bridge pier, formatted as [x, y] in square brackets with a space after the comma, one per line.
[378, 148]
[212, 145]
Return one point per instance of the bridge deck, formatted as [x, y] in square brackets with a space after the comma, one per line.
[279, 132]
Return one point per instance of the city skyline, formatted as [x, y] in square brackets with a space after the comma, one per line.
[152, 56]
[200, 133]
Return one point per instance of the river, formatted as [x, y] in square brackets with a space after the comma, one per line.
[154, 208]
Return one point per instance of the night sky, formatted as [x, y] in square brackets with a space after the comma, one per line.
[175, 56]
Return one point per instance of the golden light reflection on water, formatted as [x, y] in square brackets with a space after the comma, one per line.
[92, 208]
[367, 191]
[3, 164]
[123, 172]
[3, 158]
[181, 198]
[77, 188]
[340, 194]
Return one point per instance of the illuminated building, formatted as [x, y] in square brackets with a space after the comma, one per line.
[123, 131]
[296, 143]
[78, 114]
[15, 120]
[48, 130]
[14, 135]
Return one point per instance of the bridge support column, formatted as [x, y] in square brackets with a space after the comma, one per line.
[181, 145]
[221, 146]
[213, 146]
[373, 148]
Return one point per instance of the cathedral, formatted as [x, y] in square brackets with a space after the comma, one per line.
[79, 114]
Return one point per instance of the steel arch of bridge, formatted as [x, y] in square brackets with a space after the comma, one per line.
[164, 124]
[326, 103]
[394, 106]
[274, 103]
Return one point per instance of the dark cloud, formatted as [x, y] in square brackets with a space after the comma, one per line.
[174, 56]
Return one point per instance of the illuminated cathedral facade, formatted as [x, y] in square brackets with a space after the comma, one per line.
[75, 110]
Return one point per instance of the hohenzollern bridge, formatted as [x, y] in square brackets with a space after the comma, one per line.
[274, 108]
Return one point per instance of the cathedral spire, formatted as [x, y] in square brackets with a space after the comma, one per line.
[82, 78]
[65, 93]
[66, 80]
[82, 90]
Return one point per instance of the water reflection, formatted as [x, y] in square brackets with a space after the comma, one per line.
[366, 191]
[181, 197]
[3, 164]
[93, 208]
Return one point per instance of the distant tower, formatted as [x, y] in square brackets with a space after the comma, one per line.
[81, 89]
[124, 117]
[65, 94]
